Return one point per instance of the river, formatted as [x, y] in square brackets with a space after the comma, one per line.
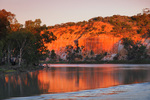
[79, 81]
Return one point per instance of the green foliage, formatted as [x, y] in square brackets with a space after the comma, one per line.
[96, 19]
[30, 25]
[79, 56]
[25, 44]
[5, 22]
[69, 47]
[116, 57]
[70, 56]
[1, 48]
[103, 27]
[100, 56]
[127, 42]
[48, 37]
[139, 31]
[53, 54]
[73, 53]
[136, 51]
[146, 35]
[91, 52]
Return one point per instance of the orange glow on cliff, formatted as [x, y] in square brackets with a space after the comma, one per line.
[90, 35]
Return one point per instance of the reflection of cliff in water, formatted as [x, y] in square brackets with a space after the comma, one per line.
[83, 78]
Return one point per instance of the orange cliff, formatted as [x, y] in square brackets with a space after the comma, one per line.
[88, 36]
[95, 36]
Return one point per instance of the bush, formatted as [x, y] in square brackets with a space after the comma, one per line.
[136, 51]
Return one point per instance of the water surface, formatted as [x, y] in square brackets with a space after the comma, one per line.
[62, 78]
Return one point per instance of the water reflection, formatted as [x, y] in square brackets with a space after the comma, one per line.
[67, 79]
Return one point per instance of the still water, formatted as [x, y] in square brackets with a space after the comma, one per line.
[61, 78]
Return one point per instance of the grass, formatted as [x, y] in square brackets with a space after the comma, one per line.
[2, 70]
[10, 71]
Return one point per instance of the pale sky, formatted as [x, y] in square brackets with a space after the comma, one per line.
[53, 12]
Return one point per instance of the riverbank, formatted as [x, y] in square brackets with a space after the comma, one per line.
[7, 69]
[101, 62]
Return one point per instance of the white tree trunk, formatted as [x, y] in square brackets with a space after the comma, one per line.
[8, 56]
[20, 57]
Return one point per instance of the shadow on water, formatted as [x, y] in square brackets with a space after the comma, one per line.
[25, 84]
[132, 76]
[68, 79]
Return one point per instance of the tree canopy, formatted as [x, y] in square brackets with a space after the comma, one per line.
[25, 44]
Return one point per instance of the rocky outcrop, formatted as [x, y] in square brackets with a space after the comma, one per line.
[122, 52]
[146, 42]
[99, 35]
[98, 44]
[109, 57]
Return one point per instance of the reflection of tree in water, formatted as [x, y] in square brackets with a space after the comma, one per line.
[133, 76]
[2, 87]
[24, 84]
[52, 69]
[86, 74]
[74, 72]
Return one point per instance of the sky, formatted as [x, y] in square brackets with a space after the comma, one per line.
[53, 12]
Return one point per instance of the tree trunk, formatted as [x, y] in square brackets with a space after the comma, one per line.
[20, 58]
[8, 56]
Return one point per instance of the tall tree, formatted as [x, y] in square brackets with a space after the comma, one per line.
[136, 51]
[53, 54]
[7, 21]
[21, 41]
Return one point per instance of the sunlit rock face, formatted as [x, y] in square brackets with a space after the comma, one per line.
[92, 36]
[101, 43]
[98, 44]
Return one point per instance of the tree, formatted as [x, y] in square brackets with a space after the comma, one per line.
[127, 42]
[30, 25]
[48, 37]
[91, 53]
[21, 40]
[1, 50]
[136, 51]
[6, 18]
[53, 54]
[7, 22]
[27, 43]
[103, 27]
[16, 26]
[28, 47]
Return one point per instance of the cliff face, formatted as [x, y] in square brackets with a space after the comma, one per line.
[99, 34]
